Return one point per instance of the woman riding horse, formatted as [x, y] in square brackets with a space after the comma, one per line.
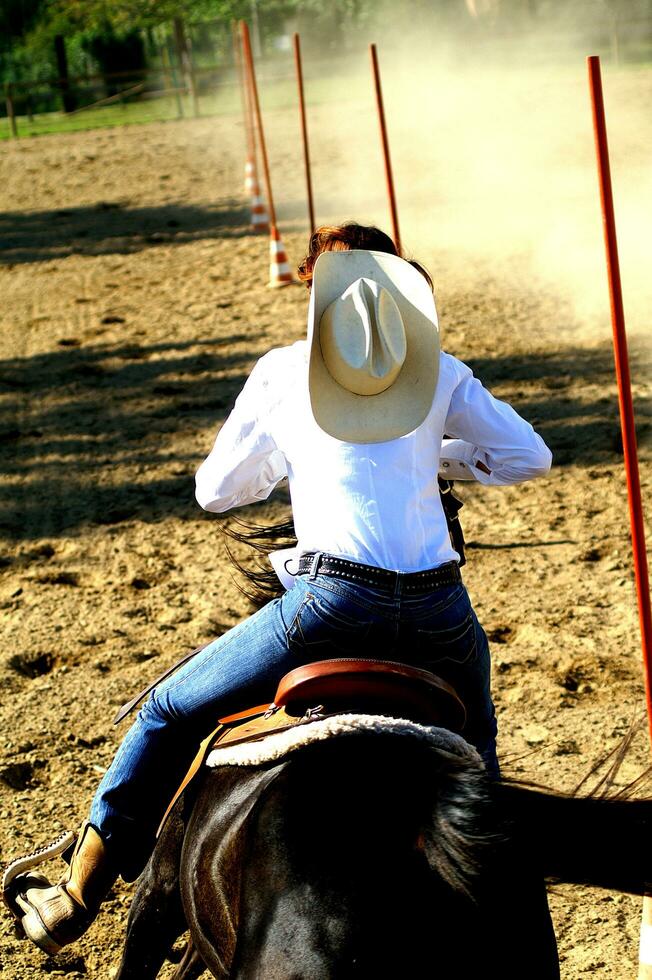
[355, 417]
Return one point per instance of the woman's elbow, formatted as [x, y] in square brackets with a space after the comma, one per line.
[209, 500]
[540, 465]
[523, 468]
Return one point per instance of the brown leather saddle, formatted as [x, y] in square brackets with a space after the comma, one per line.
[330, 687]
[374, 686]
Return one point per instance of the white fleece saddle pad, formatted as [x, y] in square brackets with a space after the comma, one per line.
[278, 746]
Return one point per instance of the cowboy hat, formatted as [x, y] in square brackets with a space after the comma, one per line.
[373, 346]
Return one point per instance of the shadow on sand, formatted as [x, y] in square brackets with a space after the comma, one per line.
[107, 408]
[107, 433]
[113, 228]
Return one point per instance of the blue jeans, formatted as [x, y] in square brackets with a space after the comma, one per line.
[320, 617]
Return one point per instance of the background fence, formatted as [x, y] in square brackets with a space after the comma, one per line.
[180, 78]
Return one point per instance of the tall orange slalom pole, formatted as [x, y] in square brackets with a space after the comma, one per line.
[259, 219]
[385, 142]
[628, 430]
[280, 273]
[304, 130]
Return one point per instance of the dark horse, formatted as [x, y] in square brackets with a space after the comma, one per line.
[373, 856]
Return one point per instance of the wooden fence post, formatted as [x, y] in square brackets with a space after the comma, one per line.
[185, 60]
[175, 83]
[67, 97]
[11, 115]
[168, 71]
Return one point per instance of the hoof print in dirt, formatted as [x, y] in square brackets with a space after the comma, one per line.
[571, 681]
[59, 578]
[32, 664]
[501, 634]
[591, 554]
[567, 747]
[86, 743]
[142, 655]
[42, 551]
[91, 641]
[18, 775]
[65, 963]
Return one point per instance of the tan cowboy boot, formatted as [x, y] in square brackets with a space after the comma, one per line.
[55, 915]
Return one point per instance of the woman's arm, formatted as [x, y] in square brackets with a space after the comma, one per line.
[499, 447]
[457, 460]
[245, 463]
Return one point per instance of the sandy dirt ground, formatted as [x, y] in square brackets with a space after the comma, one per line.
[134, 303]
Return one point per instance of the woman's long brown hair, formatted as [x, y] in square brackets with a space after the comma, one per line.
[343, 238]
[260, 580]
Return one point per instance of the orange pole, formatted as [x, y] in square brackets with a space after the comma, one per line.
[621, 356]
[253, 88]
[383, 135]
[628, 430]
[304, 131]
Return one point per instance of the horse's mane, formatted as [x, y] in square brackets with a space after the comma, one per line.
[450, 819]
[462, 830]
[603, 780]
[606, 770]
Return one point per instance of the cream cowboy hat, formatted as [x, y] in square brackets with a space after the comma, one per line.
[373, 343]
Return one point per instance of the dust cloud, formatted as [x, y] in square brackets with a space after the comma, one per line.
[494, 163]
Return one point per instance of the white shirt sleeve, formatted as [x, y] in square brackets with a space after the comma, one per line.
[488, 431]
[245, 463]
[456, 460]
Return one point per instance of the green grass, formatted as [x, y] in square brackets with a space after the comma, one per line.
[132, 113]
[280, 94]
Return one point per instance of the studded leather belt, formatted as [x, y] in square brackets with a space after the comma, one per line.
[394, 583]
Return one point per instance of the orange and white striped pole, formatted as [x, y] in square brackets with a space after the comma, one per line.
[280, 273]
[250, 159]
[259, 218]
[628, 430]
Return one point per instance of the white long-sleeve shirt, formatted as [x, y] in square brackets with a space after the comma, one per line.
[375, 503]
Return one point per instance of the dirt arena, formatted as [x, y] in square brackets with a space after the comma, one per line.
[134, 304]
